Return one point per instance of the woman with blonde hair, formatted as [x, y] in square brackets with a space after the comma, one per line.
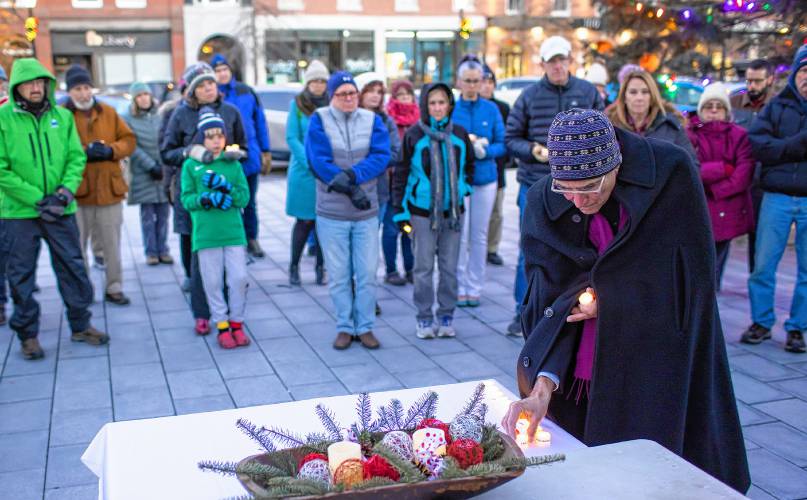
[640, 109]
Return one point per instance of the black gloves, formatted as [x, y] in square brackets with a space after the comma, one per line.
[199, 153]
[343, 182]
[52, 206]
[98, 151]
[156, 172]
[359, 198]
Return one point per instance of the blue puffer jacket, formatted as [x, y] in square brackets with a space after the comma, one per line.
[483, 119]
[243, 97]
[532, 114]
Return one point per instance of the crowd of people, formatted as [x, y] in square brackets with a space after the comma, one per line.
[420, 173]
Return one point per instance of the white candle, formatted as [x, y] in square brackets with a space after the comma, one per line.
[341, 451]
[586, 298]
[543, 436]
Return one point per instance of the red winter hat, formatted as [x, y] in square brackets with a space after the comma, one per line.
[398, 85]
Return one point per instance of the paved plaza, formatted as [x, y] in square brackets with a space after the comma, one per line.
[156, 366]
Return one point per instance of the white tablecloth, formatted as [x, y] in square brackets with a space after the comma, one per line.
[157, 458]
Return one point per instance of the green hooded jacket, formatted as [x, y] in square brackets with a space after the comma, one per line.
[36, 155]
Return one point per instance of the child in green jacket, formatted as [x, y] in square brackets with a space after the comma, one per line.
[213, 191]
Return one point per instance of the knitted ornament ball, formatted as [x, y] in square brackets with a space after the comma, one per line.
[400, 443]
[436, 424]
[310, 457]
[377, 466]
[315, 470]
[349, 473]
[466, 452]
[466, 427]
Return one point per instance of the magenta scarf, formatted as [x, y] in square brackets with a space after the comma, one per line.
[601, 235]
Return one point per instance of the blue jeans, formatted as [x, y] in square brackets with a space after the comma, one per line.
[351, 252]
[389, 241]
[777, 214]
[250, 215]
[520, 288]
[154, 226]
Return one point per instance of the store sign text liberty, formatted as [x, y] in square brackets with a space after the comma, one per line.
[93, 39]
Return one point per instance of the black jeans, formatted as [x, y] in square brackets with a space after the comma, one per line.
[299, 235]
[250, 215]
[5, 243]
[25, 237]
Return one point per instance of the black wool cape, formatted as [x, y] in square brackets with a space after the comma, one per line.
[660, 368]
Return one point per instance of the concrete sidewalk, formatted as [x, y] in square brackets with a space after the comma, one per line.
[155, 366]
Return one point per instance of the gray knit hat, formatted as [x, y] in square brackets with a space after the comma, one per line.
[316, 70]
[197, 73]
[582, 144]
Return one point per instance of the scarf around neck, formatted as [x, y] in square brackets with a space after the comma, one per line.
[403, 114]
[307, 102]
[601, 235]
[443, 165]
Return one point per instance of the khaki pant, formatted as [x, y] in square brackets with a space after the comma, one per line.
[103, 224]
[495, 228]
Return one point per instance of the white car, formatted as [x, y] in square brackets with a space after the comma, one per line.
[509, 89]
[276, 100]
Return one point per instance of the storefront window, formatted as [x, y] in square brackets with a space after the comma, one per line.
[126, 68]
[289, 52]
[400, 55]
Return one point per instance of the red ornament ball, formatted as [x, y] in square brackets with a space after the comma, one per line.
[466, 452]
[436, 424]
[310, 457]
[378, 466]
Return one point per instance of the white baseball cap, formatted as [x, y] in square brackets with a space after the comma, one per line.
[555, 46]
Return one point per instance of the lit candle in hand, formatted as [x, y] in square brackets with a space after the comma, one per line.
[586, 298]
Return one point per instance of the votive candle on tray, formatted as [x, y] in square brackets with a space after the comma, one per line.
[342, 451]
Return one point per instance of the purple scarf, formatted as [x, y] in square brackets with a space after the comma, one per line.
[601, 235]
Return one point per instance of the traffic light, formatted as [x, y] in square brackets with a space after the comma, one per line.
[465, 28]
[31, 28]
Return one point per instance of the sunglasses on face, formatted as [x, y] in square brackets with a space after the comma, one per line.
[593, 187]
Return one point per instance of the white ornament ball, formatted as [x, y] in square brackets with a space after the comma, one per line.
[466, 427]
[400, 444]
[315, 470]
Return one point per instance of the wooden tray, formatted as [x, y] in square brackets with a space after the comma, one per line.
[455, 489]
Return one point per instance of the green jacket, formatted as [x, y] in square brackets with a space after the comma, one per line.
[36, 156]
[214, 228]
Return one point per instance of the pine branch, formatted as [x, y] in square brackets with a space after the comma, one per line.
[257, 435]
[409, 473]
[295, 486]
[261, 473]
[395, 414]
[365, 411]
[329, 422]
[546, 459]
[374, 482]
[420, 409]
[315, 437]
[472, 406]
[223, 468]
[485, 469]
[492, 443]
[382, 422]
[284, 437]
[452, 469]
[481, 412]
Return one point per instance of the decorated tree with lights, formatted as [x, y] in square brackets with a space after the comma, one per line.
[691, 37]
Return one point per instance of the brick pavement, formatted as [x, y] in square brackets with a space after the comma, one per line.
[155, 366]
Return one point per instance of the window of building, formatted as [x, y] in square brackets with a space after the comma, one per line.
[290, 5]
[130, 4]
[561, 8]
[514, 7]
[88, 4]
[143, 66]
[349, 5]
[462, 5]
[406, 6]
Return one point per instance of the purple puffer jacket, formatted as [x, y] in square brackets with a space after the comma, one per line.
[727, 167]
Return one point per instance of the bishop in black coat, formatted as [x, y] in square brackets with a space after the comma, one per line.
[660, 368]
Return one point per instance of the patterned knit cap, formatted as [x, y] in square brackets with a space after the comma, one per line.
[582, 144]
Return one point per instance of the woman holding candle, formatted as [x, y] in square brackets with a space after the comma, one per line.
[622, 335]
[727, 169]
[429, 185]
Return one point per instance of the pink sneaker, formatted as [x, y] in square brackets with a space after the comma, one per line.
[226, 340]
[202, 326]
[237, 330]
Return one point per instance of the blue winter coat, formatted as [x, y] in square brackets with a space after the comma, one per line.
[483, 119]
[532, 114]
[301, 194]
[243, 97]
[778, 137]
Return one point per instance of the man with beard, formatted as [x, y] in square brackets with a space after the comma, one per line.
[106, 140]
[779, 140]
[41, 162]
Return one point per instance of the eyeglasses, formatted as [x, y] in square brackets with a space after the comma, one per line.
[714, 106]
[471, 82]
[593, 187]
[346, 95]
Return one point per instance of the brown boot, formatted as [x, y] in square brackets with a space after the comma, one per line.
[90, 336]
[369, 341]
[342, 341]
[31, 349]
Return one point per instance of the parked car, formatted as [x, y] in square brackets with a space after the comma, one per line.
[118, 101]
[509, 89]
[686, 96]
[276, 100]
[159, 89]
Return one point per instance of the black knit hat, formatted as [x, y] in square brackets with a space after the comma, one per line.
[77, 75]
